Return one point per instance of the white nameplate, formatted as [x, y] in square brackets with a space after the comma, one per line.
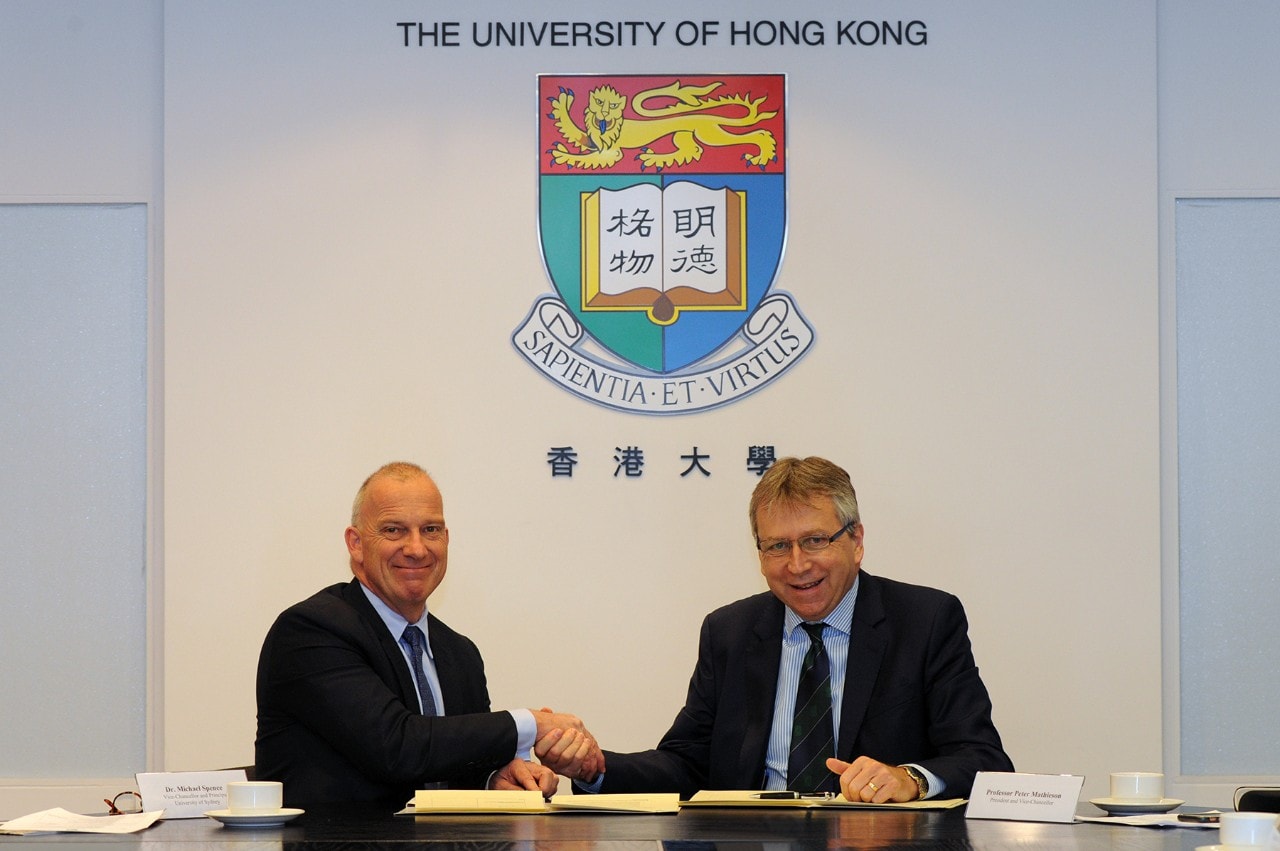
[186, 794]
[1024, 797]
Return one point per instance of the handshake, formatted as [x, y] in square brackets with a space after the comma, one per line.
[563, 746]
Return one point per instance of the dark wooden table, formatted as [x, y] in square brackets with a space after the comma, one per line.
[362, 827]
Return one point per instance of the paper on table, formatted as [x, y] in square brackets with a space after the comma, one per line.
[445, 801]
[1157, 820]
[667, 802]
[477, 801]
[735, 798]
[58, 820]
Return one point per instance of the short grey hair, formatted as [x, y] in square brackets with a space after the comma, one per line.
[802, 480]
[400, 470]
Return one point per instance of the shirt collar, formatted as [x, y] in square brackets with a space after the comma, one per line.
[840, 618]
[395, 621]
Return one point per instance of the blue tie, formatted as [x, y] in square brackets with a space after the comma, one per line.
[417, 644]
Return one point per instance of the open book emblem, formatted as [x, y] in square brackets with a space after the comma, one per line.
[662, 221]
[664, 250]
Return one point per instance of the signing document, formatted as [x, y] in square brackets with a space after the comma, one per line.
[712, 798]
[442, 801]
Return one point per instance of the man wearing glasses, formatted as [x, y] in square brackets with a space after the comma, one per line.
[833, 680]
[365, 696]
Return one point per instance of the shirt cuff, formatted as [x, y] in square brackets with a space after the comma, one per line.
[591, 788]
[526, 731]
[936, 786]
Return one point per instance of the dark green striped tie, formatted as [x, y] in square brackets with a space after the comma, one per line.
[812, 730]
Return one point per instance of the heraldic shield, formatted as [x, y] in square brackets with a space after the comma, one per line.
[662, 207]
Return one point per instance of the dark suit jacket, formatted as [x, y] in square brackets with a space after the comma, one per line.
[338, 715]
[912, 694]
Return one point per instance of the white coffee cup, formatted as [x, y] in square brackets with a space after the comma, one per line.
[1245, 829]
[1137, 787]
[245, 797]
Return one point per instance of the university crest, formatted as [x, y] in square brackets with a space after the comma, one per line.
[662, 216]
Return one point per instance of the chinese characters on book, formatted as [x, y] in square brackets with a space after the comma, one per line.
[664, 250]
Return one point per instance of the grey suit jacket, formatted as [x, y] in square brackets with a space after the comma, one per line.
[912, 694]
[338, 715]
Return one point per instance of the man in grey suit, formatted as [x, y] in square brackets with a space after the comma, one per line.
[891, 661]
[365, 696]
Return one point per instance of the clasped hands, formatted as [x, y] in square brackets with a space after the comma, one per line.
[563, 746]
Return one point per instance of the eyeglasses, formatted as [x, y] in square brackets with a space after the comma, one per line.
[124, 803]
[781, 547]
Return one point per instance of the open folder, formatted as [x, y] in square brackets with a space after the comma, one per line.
[711, 798]
[454, 801]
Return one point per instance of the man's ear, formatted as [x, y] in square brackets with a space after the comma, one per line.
[352, 536]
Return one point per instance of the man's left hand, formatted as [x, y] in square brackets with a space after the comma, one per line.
[522, 774]
[871, 781]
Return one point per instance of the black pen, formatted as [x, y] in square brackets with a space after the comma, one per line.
[792, 796]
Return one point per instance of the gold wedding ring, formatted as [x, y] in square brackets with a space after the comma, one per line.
[873, 787]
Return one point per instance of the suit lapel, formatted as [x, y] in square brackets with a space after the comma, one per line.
[455, 684]
[390, 650]
[763, 654]
[866, 653]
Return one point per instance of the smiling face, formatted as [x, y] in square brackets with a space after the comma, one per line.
[810, 584]
[399, 545]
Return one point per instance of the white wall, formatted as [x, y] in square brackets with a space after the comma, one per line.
[82, 125]
[86, 99]
[973, 232]
[73, 338]
[1218, 108]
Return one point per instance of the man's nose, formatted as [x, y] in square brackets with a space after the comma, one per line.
[416, 545]
[797, 559]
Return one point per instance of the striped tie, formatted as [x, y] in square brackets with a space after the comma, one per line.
[812, 730]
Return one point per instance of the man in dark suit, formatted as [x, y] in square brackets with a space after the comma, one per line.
[353, 706]
[891, 661]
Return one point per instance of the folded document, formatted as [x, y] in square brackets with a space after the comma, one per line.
[710, 798]
[58, 820]
[442, 801]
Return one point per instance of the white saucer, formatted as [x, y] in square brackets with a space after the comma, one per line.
[273, 818]
[1117, 807]
[1228, 847]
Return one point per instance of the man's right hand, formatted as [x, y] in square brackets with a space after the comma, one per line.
[565, 746]
[573, 753]
[548, 720]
